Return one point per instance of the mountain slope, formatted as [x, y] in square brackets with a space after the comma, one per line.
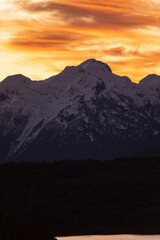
[84, 112]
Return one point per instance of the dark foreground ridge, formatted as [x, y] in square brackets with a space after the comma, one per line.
[41, 200]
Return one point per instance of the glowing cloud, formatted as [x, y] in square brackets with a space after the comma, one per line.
[40, 37]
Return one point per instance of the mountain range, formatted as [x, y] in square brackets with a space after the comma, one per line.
[84, 112]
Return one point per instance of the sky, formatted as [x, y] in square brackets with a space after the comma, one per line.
[39, 38]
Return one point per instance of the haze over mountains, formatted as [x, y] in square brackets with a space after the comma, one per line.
[84, 112]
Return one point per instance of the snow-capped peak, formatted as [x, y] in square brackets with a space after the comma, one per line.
[92, 65]
[82, 77]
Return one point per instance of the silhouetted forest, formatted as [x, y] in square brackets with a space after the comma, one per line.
[41, 200]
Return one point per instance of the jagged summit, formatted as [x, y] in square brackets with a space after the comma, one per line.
[90, 66]
[93, 65]
[84, 75]
[152, 80]
[15, 81]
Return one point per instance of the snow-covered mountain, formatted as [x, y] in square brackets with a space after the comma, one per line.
[84, 112]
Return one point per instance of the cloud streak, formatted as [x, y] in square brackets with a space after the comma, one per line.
[114, 14]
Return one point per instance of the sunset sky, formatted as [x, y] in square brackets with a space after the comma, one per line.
[40, 37]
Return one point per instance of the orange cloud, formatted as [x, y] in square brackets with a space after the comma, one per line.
[112, 14]
[50, 34]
